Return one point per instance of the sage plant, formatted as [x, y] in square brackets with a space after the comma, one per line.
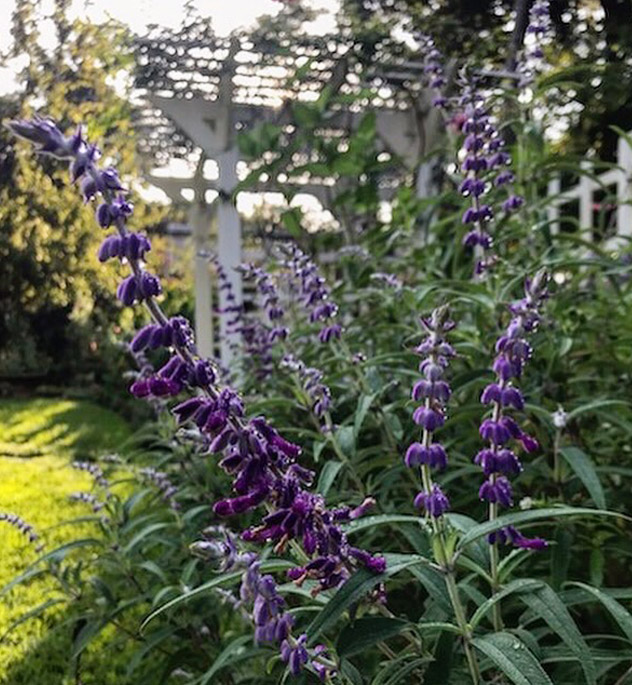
[498, 460]
[433, 391]
[262, 463]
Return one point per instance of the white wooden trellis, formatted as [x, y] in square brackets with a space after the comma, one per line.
[584, 192]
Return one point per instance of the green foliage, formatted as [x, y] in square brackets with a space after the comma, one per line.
[60, 317]
[39, 437]
[453, 608]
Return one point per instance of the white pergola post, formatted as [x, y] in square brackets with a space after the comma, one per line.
[228, 243]
[199, 221]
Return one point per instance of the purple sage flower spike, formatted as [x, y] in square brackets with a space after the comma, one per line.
[262, 463]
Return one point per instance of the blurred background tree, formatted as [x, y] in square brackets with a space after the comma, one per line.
[591, 55]
[59, 311]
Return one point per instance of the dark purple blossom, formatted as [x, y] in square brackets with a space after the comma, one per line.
[498, 461]
[434, 392]
[313, 292]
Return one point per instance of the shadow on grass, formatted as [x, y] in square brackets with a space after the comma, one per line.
[32, 428]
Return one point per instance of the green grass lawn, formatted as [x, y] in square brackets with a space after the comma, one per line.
[38, 439]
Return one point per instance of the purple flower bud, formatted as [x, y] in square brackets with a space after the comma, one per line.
[109, 179]
[140, 388]
[149, 285]
[435, 503]
[141, 339]
[416, 455]
[110, 247]
[104, 215]
[185, 410]
[529, 443]
[498, 491]
[328, 333]
[512, 203]
[512, 397]
[204, 373]
[88, 188]
[492, 393]
[428, 418]
[494, 431]
[127, 291]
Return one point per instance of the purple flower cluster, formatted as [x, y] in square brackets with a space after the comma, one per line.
[485, 163]
[87, 498]
[498, 461]
[271, 301]
[311, 381]
[273, 624]
[314, 293]
[94, 470]
[261, 462]
[233, 311]
[21, 525]
[537, 33]
[433, 69]
[260, 338]
[433, 392]
[161, 481]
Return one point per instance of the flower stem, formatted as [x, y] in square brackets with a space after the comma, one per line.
[493, 560]
[442, 558]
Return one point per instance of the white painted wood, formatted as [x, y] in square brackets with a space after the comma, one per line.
[199, 220]
[624, 191]
[228, 243]
[553, 208]
[586, 189]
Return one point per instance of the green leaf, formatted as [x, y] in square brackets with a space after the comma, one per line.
[595, 404]
[550, 608]
[206, 588]
[511, 656]
[438, 672]
[328, 476]
[516, 586]
[561, 556]
[364, 405]
[145, 532]
[434, 585]
[365, 632]
[233, 653]
[60, 552]
[522, 517]
[381, 520]
[584, 469]
[356, 587]
[617, 610]
[33, 613]
[31, 573]
[151, 641]
[345, 435]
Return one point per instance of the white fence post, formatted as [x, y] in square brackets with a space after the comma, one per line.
[624, 194]
[553, 208]
[586, 187]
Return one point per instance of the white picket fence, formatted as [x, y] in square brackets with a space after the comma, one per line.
[616, 183]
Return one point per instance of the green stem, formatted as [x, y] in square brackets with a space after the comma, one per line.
[442, 558]
[557, 462]
[493, 559]
[466, 631]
